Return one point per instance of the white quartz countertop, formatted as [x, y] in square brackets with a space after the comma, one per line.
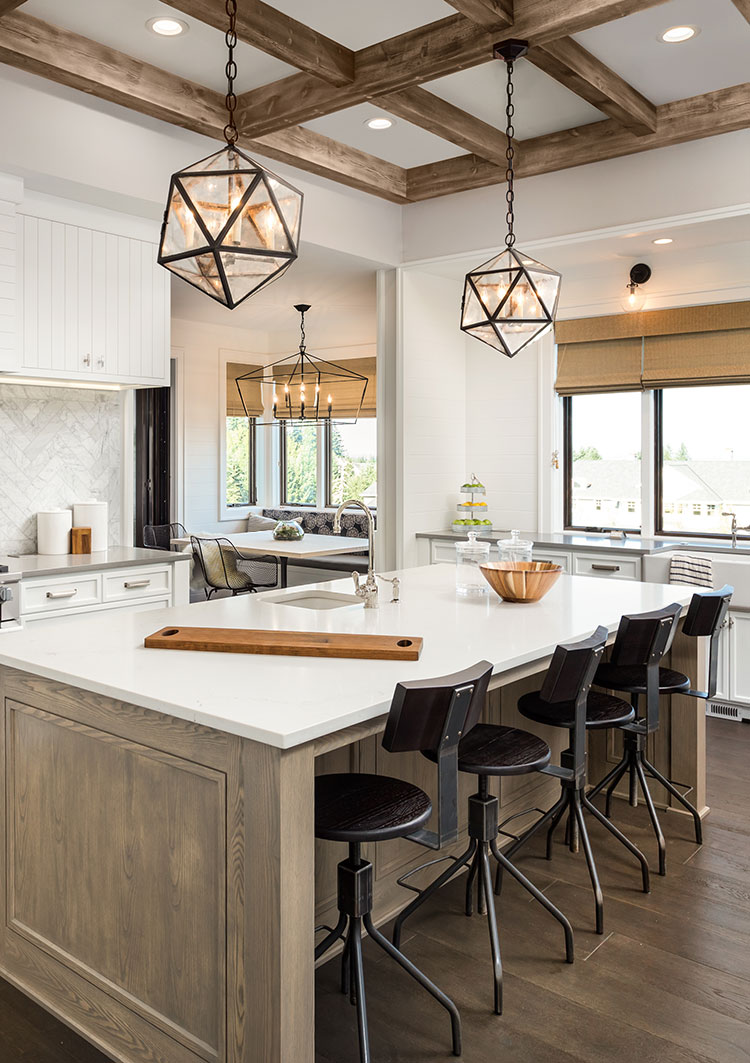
[284, 701]
[27, 565]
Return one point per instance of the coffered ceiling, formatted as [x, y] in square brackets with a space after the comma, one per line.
[598, 83]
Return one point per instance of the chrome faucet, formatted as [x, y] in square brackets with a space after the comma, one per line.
[368, 590]
[735, 529]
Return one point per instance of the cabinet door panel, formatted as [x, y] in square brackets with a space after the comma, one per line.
[146, 292]
[44, 293]
[57, 293]
[29, 317]
[84, 354]
[71, 280]
[112, 309]
[98, 297]
[136, 308]
[739, 658]
[125, 294]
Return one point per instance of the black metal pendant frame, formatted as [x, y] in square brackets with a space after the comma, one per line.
[214, 245]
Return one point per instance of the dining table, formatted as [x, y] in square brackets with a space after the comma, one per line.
[249, 544]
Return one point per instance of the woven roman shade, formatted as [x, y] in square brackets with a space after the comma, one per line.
[689, 359]
[250, 389]
[599, 365]
[683, 347]
[347, 392]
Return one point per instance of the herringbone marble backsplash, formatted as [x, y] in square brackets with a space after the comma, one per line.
[57, 446]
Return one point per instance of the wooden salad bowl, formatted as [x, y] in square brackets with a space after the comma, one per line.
[521, 581]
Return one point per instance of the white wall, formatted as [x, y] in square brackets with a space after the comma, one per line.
[432, 417]
[703, 175]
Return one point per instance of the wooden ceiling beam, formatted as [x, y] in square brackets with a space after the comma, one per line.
[68, 59]
[428, 111]
[743, 6]
[493, 14]
[453, 43]
[585, 75]
[708, 115]
[283, 37]
[6, 6]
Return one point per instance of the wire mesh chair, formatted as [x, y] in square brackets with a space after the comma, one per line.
[225, 569]
[159, 536]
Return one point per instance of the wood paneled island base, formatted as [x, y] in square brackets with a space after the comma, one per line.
[161, 883]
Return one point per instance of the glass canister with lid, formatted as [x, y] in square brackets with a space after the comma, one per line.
[470, 554]
[515, 548]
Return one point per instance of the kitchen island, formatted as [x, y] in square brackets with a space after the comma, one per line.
[160, 881]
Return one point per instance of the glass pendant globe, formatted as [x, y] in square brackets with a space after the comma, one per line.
[634, 298]
[230, 227]
[510, 301]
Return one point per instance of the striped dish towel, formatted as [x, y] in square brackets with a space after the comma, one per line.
[691, 569]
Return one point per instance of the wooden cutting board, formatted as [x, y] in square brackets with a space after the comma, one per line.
[286, 643]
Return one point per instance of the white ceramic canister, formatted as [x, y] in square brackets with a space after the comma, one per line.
[53, 531]
[93, 515]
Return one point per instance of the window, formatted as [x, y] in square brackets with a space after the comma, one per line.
[703, 459]
[240, 461]
[299, 464]
[603, 460]
[351, 451]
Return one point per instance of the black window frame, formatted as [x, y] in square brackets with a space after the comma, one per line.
[252, 458]
[568, 479]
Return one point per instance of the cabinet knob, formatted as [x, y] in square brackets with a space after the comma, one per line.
[100, 363]
[87, 359]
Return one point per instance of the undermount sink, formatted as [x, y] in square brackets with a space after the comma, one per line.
[303, 599]
[727, 568]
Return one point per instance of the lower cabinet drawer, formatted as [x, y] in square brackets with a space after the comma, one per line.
[606, 567]
[72, 618]
[129, 584]
[54, 596]
[562, 559]
[442, 552]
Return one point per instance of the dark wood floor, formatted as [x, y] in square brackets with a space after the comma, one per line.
[668, 982]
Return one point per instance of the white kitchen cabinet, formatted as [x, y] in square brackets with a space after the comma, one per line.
[92, 305]
[554, 557]
[739, 658]
[606, 566]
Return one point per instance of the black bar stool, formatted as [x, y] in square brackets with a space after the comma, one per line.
[626, 671]
[426, 715]
[566, 700]
[490, 750]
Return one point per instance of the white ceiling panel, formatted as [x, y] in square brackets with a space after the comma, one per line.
[542, 105]
[718, 57]
[199, 54]
[356, 24]
[404, 143]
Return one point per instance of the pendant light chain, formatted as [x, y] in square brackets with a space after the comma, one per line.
[302, 330]
[230, 129]
[510, 236]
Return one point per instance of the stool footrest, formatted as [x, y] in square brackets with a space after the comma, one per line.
[403, 881]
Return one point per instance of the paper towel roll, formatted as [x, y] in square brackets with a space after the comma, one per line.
[93, 515]
[53, 531]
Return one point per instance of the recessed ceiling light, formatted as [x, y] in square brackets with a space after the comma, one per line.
[167, 27]
[663, 240]
[379, 123]
[678, 34]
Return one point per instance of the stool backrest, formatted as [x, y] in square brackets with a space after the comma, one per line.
[569, 678]
[643, 638]
[419, 716]
[706, 614]
[431, 716]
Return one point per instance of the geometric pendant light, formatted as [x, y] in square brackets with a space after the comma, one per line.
[510, 300]
[303, 389]
[230, 227]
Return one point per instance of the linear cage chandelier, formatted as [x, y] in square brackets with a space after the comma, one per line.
[510, 300]
[230, 227]
[303, 391]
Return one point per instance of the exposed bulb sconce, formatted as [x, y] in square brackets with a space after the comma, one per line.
[634, 297]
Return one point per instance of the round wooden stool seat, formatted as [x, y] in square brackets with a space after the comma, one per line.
[633, 680]
[352, 807]
[602, 710]
[489, 749]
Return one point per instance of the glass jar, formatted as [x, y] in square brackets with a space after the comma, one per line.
[289, 530]
[515, 548]
[470, 554]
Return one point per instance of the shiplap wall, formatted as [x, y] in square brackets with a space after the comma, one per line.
[433, 415]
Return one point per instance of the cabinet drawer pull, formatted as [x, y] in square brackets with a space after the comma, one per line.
[131, 584]
[62, 594]
[605, 568]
